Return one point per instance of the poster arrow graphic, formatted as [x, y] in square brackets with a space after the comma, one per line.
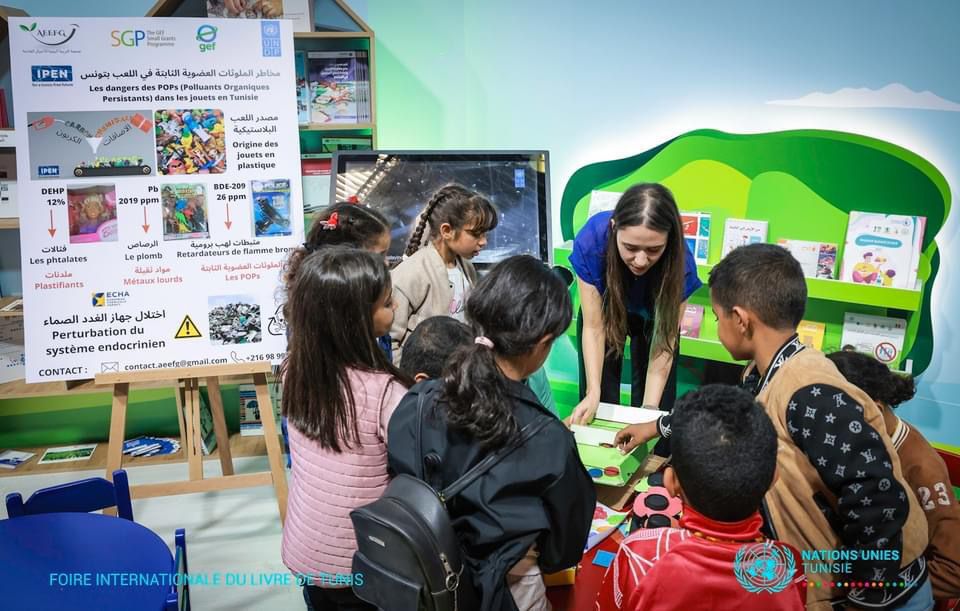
[227, 222]
[145, 226]
[52, 229]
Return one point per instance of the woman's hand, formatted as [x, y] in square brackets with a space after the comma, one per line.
[631, 436]
[584, 412]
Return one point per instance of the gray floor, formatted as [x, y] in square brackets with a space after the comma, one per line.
[234, 531]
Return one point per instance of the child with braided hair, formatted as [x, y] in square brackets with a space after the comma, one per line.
[435, 278]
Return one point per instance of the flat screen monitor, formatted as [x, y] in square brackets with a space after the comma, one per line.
[399, 183]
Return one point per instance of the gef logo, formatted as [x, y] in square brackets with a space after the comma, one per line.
[52, 74]
[207, 37]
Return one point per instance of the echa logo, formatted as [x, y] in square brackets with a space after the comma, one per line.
[48, 170]
[763, 567]
[52, 37]
[207, 37]
[99, 300]
[109, 298]
[52, 74]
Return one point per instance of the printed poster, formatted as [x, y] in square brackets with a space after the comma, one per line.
[160, 160]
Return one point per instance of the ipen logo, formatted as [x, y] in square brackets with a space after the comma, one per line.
[207, 38]
[48, 170]
[127, 38]
[52, 74]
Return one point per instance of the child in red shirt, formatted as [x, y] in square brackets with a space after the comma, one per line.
[724, 460]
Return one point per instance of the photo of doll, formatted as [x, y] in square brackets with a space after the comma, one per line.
[92, 212]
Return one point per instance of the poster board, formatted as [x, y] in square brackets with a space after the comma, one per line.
[160, 158]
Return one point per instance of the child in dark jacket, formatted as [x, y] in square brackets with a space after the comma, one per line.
[923, 468]
[531, 513]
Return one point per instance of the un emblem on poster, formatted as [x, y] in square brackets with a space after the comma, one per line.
[763, 567]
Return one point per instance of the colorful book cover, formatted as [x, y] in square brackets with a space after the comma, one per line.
[271, 207]
[11, 459]
[691, 321]
[879, 336]
[696, 232]
[818, 259]
[303, 92]
[250, 419]
[605, 521]
[811, 333]
[68, 453]
[741, 232]
[883, 249]
[338, 89]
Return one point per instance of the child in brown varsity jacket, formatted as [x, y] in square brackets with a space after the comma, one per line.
[922, 466]
[841, 486]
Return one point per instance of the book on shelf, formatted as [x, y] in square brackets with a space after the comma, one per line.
[303, 91]
[741, 232]
[68, 453]
[817, 259]
[354, 143]
[691, 321]
[881, 337]
[12, 355]
[811, 333]
[338, 86]
[883, 249]
[8, 184]
[208, 436]
[250, 415]
[696, 232]
[11, 459]
[297, 11]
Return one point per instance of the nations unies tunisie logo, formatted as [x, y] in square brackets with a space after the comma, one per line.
[763, 567]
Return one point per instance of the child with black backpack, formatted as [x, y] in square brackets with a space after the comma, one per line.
[530, 511]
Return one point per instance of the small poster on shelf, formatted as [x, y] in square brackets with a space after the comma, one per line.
[818, 259]
[740, 232]
[879, 336]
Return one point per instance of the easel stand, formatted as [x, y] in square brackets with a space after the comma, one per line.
[188, 410]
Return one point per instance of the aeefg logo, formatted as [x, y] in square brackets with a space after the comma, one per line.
[207, 37]
[127, 38]
[52, 74]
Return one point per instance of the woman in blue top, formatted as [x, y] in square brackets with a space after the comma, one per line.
[634, 273]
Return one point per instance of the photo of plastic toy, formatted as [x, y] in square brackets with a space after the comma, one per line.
[271, 207]
[184, 212]
[92, 212]
[190, 141]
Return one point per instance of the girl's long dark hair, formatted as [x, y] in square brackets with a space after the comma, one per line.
[457, 206]
[652, 206]
[356, 226]
[874, 378]
[515, 305]
[330, 321]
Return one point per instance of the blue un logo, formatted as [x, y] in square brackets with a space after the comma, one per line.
[763, 567]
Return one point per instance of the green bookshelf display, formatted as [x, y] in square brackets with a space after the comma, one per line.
[804, 183]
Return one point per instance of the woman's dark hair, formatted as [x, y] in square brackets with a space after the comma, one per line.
[356, 226]
[652, 206]
[515, 305]
[330, 321]
[874, 378]
[459, 207]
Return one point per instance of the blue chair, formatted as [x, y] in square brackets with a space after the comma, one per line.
[83, 496]
[179, 597]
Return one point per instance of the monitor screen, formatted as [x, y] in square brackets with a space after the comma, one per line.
[399, 183]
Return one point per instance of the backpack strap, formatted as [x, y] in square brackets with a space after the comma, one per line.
[487, 463]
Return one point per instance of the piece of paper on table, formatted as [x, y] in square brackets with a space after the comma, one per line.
[627, 415]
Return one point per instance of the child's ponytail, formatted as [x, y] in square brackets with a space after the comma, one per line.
[511, 310]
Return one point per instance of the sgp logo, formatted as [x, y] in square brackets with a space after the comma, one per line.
[127, 38]
[207, 37]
